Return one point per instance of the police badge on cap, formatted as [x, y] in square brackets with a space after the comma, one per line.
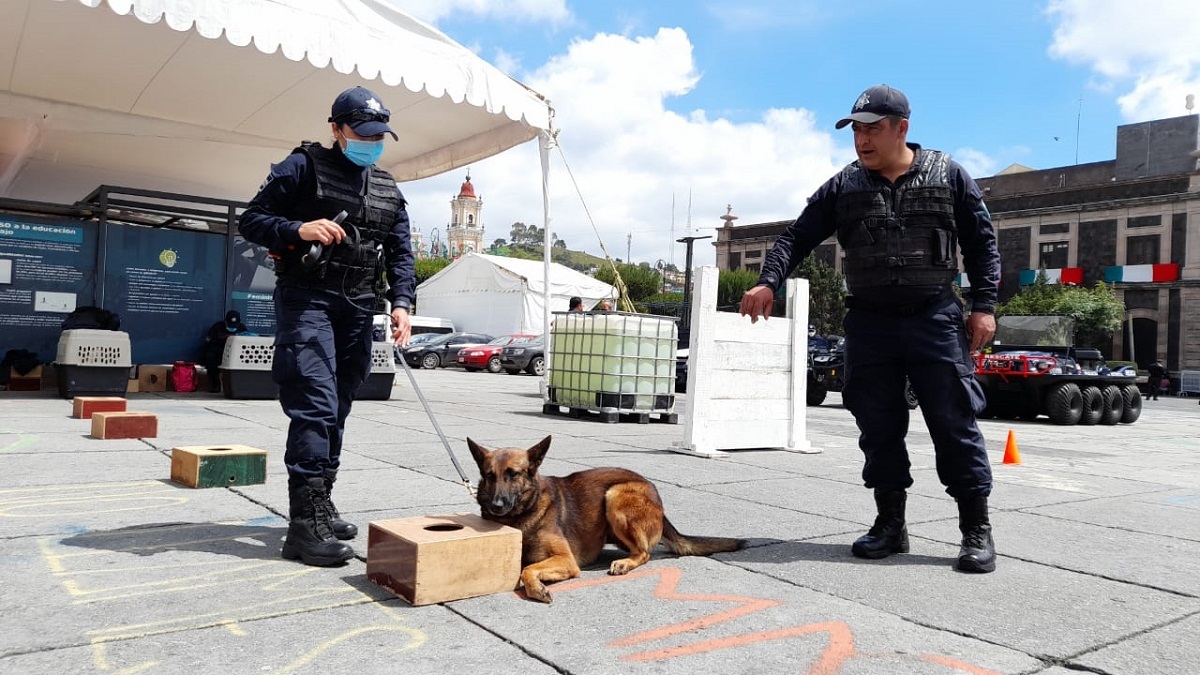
[875, 104]
[363, 111]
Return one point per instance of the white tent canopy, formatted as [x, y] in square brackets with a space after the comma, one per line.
[498, 295]
[200, 96]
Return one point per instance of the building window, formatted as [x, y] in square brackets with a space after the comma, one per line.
[753, 255]
[735, 261]
[1144, 221]
[470, 220]
[1053, 255]
[754, 268]
[1054, 228]
[1141, 250]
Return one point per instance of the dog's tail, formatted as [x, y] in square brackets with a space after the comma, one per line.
[681, 544]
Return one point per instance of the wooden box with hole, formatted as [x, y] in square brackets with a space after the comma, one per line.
[432, 559]
[202, 466]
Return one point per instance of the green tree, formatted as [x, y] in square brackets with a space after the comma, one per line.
[1097, 311]
[427, 267]
[826, 295]
[732, 285]
[640, 283]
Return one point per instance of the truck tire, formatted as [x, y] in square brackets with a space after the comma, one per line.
[1093, 405]
[1133, 404]
[1064, 404]
[1113, 406]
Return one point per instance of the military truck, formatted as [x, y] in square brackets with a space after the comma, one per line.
[1034, 370]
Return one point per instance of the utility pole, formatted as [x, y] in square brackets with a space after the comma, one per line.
[687, 273]
[628, 244]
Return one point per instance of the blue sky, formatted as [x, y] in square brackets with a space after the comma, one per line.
[733, 103]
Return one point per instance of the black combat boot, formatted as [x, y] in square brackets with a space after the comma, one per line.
[342, 529]
[310, 537]
[889, 534]
[978, 552]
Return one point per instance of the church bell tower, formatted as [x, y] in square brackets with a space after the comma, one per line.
[465, 232]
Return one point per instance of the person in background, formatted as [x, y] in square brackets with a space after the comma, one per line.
[1156, 373]
[902, 214]
[337, 227]
[576, 304]
[214, 346]
[604, 306]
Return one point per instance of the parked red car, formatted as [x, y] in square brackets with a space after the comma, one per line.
[480, 357]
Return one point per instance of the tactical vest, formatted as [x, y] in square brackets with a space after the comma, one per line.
[902, 234]
[355, 266]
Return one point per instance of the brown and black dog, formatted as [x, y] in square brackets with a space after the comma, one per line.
[566, 521]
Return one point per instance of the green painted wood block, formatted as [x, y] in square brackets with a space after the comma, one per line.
[202, 466]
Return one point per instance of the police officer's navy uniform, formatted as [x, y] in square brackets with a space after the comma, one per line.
[325, 302]
[901, 242]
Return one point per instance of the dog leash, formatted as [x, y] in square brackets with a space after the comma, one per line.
[429, 411]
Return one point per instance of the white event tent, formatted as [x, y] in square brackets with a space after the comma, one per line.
[200, 96]
[497, 295]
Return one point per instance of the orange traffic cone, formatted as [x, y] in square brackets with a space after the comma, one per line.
[1011, 454]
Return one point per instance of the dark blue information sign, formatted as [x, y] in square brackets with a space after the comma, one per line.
[253, 292]
[168, 287]
[47, 269]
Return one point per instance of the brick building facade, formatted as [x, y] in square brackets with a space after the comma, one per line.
[1133, 221]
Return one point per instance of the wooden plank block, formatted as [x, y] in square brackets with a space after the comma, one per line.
[432, 559]
[110, 425]
[202, 466]
[741, 377]
[733, 327]
[749, 356]
[25, 383]
[83, 407]
[153, 378]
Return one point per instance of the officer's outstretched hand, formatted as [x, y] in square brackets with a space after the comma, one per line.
[980, 328]
[401, 327]
[758, 301]
[323, 230]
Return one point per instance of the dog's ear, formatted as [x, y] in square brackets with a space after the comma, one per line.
[538, 452]
[479, 452]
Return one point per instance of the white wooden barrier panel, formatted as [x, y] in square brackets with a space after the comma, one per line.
[746, 382]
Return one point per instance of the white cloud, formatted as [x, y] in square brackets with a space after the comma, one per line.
[976, 162]
[554, 11]
[1146, 50]
[630, 155]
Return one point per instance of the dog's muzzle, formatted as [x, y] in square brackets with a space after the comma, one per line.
[500, 505]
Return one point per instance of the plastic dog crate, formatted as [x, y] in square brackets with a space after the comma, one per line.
[378, 386]
[246, 367]
[92, 362]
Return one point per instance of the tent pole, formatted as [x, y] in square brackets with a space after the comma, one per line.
[546, 141]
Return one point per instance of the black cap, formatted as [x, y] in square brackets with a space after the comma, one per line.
[875, 104]
[363, 111]
[233, 317]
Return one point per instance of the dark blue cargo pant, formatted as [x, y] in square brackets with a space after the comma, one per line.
[322, 358]
[931, 349]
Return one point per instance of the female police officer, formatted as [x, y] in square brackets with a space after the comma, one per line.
[336, 227]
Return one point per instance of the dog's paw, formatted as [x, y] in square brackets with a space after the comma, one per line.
[538, 593]
[619, 567]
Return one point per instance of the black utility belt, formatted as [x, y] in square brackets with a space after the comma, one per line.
[895, 309]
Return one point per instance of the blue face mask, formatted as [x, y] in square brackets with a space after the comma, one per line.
[363, 153]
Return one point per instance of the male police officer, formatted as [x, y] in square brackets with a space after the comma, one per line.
[328, 272]
[901, 214]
